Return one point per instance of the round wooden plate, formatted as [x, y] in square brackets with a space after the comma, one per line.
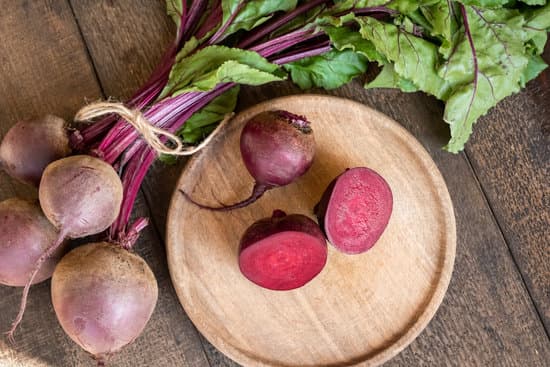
[361, 309]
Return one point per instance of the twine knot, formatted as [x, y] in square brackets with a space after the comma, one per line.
[150, 134]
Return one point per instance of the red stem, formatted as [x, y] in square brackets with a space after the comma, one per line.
[193, 18]
[274, 25]
[142, 159]
[121, 145]
[302, 54]
[218, 36]
[213, 19]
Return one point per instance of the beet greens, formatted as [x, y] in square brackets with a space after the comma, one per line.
[420, 46]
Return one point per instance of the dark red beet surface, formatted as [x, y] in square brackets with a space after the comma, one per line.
[355, 209]
[277, 147]
[282, 252]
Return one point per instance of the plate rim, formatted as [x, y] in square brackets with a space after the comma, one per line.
[411, 332]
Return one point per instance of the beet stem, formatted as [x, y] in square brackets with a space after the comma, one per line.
[218, 36]
[257, 192]
[276, 23]
[45, 255]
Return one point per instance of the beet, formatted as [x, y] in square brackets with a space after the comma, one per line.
[282, 252]
[29, 146]
[277, 147]
[103, 297]
[355, 210]
[81, 195]
[25, 233]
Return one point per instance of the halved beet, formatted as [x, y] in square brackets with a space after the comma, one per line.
[282, 252]
[355, 209]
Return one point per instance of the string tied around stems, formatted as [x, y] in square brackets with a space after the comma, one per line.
[150, 134]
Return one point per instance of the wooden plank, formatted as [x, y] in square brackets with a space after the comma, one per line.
[510, 153]
[487, 316]
[45, 68]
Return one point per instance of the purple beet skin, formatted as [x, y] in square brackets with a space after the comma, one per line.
[103, 297]
[277, 147]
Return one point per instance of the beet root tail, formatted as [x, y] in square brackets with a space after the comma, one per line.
[257, 192]
[45, 255]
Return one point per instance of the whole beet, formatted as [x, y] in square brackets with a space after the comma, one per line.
[277, 147]
[103, 297]
[25, 233]
[81, 195]
[282, 252]
[29, 146]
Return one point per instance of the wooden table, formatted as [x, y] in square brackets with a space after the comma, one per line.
[56, 54]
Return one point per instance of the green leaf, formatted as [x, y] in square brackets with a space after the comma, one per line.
[187, 49]
[388, 78]
[414, 58]
[534, 67]
[344, 38]
[211, 65]
[443, 19]
[498, 39]
[205, 120]
[402, 6]
[251, 13]
[306, 19]
[534, 2]
[486, 3]
[329, 71]
[174, 9]
[537, 26]
[232, 71]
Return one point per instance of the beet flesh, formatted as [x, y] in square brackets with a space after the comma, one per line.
[355, 210]
[81, 195]
[103, 297]
[25, 233]
[29, 146]
[283, 252]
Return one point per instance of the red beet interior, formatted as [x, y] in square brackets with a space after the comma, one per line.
[283, 261]
[358, 211]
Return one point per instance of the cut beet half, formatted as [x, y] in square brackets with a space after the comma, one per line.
[355, 209]
[282, 252]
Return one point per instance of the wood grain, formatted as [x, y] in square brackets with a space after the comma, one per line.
[487, 317]
[44, 70]
[360, 309]
[486, 306]
[510, 152]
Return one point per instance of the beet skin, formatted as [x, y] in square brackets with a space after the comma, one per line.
[25, 233]
[103, 296]
[29, 146]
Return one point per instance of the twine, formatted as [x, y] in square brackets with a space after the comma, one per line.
[150, 133]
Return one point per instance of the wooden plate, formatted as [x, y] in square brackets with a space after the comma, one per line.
[361, 309]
